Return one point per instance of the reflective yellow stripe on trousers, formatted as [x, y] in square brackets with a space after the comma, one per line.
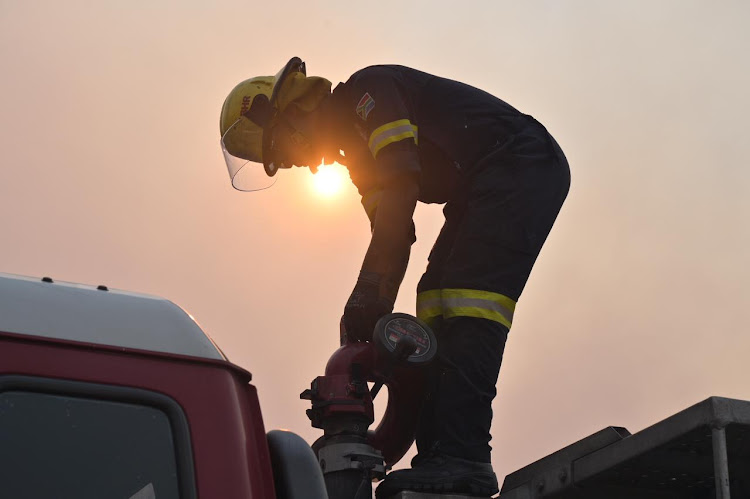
[465, 303]
[429, 305]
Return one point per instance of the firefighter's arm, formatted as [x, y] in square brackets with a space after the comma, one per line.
[392, 235]
[386, 259]
[391, 138]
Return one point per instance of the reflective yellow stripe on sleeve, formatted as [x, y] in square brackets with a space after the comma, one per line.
[390, 133]
[476, 303]
[371, 200]
[429, 305]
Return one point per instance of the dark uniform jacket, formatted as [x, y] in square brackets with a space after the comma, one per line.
[394, 120]
[502, 176]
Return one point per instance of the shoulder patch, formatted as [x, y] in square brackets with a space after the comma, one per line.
[365, 105]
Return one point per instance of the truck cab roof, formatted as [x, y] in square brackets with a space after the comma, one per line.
[100, 315]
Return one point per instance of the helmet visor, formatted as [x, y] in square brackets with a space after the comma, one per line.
[241, 145]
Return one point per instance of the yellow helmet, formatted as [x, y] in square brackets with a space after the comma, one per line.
[249, 109]
[245, 101]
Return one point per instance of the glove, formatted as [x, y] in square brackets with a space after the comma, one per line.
[364, 307]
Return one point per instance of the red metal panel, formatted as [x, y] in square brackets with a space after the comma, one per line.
[226, 427]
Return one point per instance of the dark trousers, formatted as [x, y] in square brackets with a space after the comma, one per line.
[476, 272]
[457, 414]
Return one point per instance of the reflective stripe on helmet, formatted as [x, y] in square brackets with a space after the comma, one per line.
[391, 132]
[465, 303]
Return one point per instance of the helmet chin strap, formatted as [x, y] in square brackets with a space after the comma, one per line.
[298, 133]
[277, 156]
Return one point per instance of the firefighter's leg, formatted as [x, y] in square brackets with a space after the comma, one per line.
[509, 212]
[429, 309]
[471, 351]
[455, 455]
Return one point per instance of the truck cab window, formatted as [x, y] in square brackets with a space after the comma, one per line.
[74, 447]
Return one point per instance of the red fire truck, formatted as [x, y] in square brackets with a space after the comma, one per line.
[110, 394]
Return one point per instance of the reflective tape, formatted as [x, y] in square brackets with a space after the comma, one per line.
[465, 303]
[390, 133]
[371, 200]
[476, 303]
[429, 305]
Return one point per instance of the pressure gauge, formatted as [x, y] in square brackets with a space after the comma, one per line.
[397, 333]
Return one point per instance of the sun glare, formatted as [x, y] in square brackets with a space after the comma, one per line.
[329, 180]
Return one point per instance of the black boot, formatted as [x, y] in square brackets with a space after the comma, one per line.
[442, 474]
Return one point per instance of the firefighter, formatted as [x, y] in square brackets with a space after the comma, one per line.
[407, 136]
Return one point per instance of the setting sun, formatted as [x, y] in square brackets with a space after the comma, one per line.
[329, 180]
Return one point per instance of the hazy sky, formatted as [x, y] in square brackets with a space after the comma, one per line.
[637, 308]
